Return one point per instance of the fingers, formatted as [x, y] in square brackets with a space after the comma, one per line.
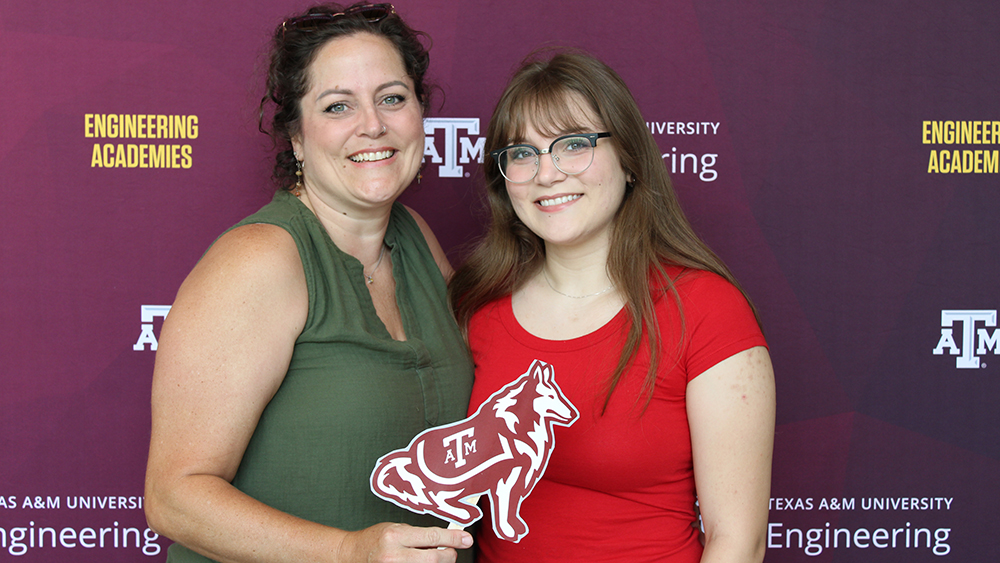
[423, 538]
[400, 542]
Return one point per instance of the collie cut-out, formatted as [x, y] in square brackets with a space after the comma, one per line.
[501, 451]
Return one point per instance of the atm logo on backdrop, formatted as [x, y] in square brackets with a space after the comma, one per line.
[978, 336]
[148, 314]
[460, 147]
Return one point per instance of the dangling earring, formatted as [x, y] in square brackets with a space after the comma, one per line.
[419, 177]
[298, 178]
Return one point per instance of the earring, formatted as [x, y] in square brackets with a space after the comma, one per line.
[298, 177]
[419, 177]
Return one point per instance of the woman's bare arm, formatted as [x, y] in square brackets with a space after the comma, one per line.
[731, 415]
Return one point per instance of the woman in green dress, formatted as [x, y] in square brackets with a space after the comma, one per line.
[314, 336]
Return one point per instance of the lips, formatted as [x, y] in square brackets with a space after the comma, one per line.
[549, 202]
[373, 156]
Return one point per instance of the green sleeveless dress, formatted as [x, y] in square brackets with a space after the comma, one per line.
[352, 393]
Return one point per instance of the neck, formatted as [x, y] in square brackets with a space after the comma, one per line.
[359, 234]
[577, 273]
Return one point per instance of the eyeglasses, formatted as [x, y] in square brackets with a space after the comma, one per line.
[310, 22]
[572, 154]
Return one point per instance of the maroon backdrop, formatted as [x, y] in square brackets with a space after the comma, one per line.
[840, 156]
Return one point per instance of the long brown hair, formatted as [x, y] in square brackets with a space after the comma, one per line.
[650, 230]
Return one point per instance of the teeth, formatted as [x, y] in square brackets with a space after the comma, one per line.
[372, 156]
[558, 200]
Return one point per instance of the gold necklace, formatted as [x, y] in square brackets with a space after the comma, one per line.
[605, 290]
[370, 277]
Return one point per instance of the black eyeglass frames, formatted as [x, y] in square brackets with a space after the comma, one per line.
[572, 154]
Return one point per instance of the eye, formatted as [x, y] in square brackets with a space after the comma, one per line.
[575, 144]
[336, 107]
[520, 155]
[393, 99]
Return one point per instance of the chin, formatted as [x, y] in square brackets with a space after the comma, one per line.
[384, 195]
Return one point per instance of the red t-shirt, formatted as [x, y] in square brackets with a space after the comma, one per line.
[619, 486]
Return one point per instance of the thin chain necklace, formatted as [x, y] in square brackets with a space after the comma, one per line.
[370, 277]
[605, 290]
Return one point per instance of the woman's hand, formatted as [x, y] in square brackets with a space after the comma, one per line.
[400, 542]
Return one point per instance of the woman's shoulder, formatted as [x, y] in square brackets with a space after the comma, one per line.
[282, 209]
[252, 272]
[252, 253]
[701, 293]
[688, 281]
[714, 315]
[262, 237]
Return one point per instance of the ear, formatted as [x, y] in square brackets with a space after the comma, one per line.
[297, 146]
[537, 369]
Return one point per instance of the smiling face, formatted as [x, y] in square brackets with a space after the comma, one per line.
[358, 86]
[565, 210]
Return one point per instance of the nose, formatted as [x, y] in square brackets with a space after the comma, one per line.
[371, 123]
[548, 173]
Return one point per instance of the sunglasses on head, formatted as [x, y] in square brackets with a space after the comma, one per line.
[309, 22]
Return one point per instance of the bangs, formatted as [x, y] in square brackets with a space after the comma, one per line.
[552, 110]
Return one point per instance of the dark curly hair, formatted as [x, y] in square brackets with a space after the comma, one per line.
[293, 49]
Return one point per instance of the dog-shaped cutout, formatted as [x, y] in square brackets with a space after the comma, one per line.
[501, 450]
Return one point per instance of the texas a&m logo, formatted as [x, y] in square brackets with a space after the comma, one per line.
[976, 337]
[458, 149]
[501, 450]
[149, 313]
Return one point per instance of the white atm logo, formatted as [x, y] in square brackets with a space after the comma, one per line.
[146, 335]
[471, 151]
[977, 338]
